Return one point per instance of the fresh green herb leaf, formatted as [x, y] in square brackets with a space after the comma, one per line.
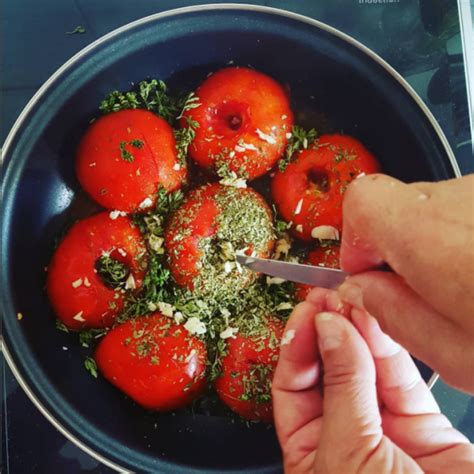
[151, 95]
[86, 338]
[136, 143]
[91, 366]
[112, 272]
[188, 102]
[281, 225]
[77, 30]
[125, 154]
[184, 137]
[60, 326]
[116, 101]
[300, 139]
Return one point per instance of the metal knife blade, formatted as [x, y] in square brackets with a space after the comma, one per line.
[315, 276]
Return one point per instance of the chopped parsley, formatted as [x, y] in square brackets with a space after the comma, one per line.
[257, 384]
[343, 154]
[300, 139]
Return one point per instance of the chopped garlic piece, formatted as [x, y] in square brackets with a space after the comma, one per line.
[239, 148]
[229, 266]
[282, 247]
[248, 146]
[299, 228]
[287, 337]
[325, 232]
[122, 252]
[229, 333]
[234, 181]
[177, 167]
[298, 207]
[147, 202]
[87, 283]
[130, 282]
[360, 175]
[178, 317]
[227, 251]
[78, 317]
[265, 137]
[288, 135]
[284, 117]
[166, 309]
[283, 306]
[275, 281]
[114, 214]
[195, 326]
[156, 243]
[77, 283]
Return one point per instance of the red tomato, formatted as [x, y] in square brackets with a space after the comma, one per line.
[247, 373]
[243, 121]
[77, 293]
[154, 361]
[310, 191]
[124, 157]
[211, 216]
[323, 257]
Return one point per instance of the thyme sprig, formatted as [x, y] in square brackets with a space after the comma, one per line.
[300, 139]
[152, 95]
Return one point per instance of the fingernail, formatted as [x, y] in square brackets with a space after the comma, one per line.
[352, 294]
[330, 331]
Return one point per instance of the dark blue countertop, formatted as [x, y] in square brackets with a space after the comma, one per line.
[420, 38]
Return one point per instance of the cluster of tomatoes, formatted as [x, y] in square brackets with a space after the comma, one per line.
[243, 125]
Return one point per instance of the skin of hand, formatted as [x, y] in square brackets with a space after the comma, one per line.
[425, 233]
[371, 413]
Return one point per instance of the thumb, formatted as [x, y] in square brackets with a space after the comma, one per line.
[351, 426]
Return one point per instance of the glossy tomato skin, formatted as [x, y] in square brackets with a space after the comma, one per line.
[315, 182]
[196, 220]
[327, 257]
[243, 120]
[247, 371]
[155, 362]
[77, 293]
[123, 158]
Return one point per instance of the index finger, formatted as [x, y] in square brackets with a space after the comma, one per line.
[401, 224]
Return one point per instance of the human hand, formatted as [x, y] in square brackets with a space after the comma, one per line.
[340, 428]
[425, 232]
